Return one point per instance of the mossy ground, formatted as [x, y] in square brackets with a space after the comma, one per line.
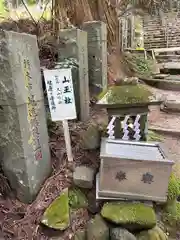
[152, 136]
[173, 188]
[171, 212]
[127, 94]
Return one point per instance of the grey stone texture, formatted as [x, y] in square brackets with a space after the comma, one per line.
[97, 229]
[83, 177]
[91, 138]
[73, 45]
[24, 150]
[121, 233]
[97, 53]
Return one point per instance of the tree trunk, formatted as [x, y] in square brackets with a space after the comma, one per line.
[79, 11]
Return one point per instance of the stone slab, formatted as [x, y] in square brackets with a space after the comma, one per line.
[169, 65]
[97, 53]
[24, 150]
[172, 132]
[73, 44]
[83, 177]
[21, 48]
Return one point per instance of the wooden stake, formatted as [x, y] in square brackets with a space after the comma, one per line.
[67, 140]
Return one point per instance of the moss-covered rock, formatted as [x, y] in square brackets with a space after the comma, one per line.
[56, 215]
[153, 234]
[126, 95]
[130, 215]
[97, 229]
[77, 199]
[173, 187]
[91, 138]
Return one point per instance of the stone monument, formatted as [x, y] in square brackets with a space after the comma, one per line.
[24, 150]
[73, 49]
[97, 53]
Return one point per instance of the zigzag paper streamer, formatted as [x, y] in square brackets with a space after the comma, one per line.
[110, 128]
[137, 136]
[125, 128]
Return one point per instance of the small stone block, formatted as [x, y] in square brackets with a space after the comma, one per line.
[83, 177]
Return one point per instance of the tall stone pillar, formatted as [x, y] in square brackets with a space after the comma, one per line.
[73, 48]
[24, 149]
[97, 53]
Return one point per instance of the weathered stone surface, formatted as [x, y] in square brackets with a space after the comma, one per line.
[97, 53]
[93, 204]
[155, 234]
[83, 177]
[91, 138]
[130, 215]
[121, 234]
[77, 199]
[56, 215]
[171, 105]
[75, 47]
[97, 229]
[25, 154]
[80, 235]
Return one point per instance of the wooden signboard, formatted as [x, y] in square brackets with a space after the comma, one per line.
[61, 99]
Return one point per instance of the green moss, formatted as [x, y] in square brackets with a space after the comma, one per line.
[172, 208]
[172, 213]
[126, 94]
[153, 234]
[173, 188]
[130, 213]
[77, 199]
[152, 136]
[57, 214]
[139, 64]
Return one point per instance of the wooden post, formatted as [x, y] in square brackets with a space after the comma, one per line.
[67, 140]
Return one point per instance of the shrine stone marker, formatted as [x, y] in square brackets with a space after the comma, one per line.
[97, 53]
[24, 149]
[73, 48]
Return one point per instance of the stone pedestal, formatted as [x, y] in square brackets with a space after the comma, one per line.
[24, 139]
[73, 46]
[97, 53]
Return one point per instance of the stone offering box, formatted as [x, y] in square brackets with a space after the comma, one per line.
[133, 170]
[127, 108]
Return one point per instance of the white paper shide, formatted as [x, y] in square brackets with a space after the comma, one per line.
[60, 93]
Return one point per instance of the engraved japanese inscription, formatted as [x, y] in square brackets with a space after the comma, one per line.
[147, 178]
[121, 176]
